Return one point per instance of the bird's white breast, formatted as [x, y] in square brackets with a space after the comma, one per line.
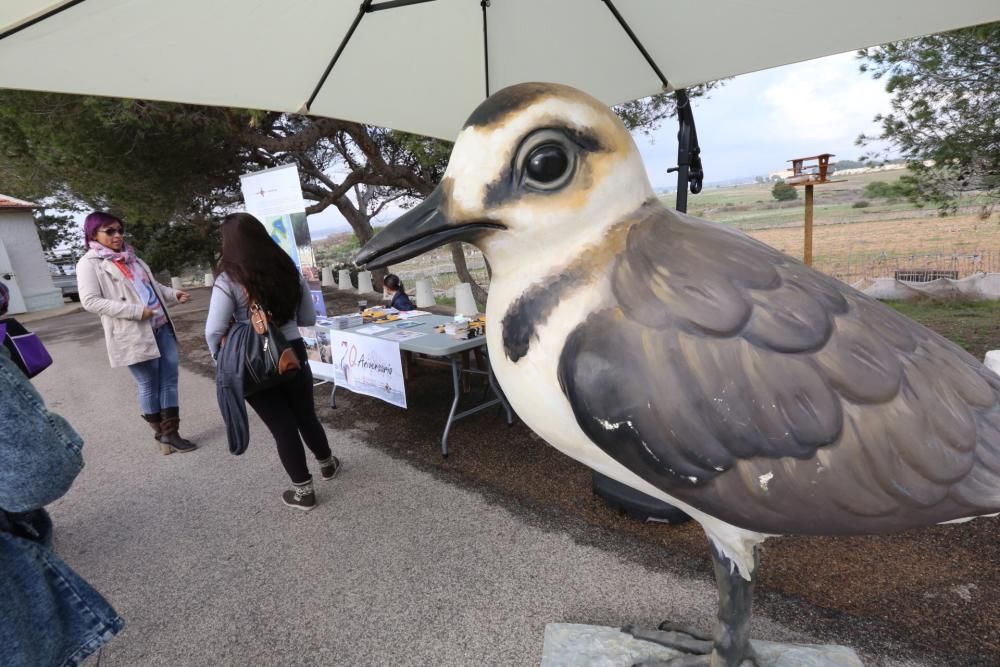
[532, 386]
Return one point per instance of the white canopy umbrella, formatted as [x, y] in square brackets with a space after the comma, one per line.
[423, 65]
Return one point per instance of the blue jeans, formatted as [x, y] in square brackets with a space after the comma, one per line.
[50, 615]
[157, 378]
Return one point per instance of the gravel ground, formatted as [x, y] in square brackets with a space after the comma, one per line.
[931, 594]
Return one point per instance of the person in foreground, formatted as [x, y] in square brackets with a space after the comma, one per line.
[120, 287]
[254, 267]
[48, 614]
[398, 298]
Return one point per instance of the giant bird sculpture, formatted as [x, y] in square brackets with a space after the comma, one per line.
[693, 363]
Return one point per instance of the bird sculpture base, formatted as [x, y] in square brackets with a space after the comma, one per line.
[571, 645]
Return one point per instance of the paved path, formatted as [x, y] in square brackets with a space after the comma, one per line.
[395, 567]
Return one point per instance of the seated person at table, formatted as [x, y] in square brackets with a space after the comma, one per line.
[393, 286]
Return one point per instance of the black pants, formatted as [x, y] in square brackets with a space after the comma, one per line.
[288, 410]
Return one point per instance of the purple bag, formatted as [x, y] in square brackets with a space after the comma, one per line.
[25, 348]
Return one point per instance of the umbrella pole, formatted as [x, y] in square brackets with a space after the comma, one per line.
[689, 169]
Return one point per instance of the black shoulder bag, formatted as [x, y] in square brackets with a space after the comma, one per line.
[269, 359]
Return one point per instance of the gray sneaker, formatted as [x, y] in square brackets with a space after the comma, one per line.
[300, 496]
[329, 468]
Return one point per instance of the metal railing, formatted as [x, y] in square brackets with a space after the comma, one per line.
[918, 267]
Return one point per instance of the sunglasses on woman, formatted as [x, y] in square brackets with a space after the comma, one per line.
[113, 231]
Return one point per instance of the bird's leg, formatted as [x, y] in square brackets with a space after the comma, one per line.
[730, 645]
[732, 630]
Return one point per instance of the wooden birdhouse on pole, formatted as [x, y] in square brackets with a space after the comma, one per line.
[810, 171]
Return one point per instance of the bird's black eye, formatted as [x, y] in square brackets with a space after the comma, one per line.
[546, 161]
[547, 164]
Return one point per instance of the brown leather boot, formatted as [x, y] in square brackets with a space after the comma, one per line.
[170, 440]
[154, 420]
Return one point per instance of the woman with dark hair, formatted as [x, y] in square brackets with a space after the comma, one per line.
[254, 267]
[397, 295]
[119, 287]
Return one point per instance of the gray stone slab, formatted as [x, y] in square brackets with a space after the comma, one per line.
[572, 645]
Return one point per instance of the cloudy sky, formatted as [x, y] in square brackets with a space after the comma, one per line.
[756, 122]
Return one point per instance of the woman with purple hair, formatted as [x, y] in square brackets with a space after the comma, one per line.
[119, 287]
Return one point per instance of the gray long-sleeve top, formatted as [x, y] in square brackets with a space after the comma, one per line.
[222, 308]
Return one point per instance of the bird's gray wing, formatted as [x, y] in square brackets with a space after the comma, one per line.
[739, 380]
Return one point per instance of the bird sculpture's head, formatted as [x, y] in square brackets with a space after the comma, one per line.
[537, 168]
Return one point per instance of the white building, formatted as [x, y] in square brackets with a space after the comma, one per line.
[867, 170]
[23, 268]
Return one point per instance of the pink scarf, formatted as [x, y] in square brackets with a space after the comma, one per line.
[127, 255]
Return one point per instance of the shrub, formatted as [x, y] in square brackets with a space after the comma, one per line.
[784, 192]
[883, 190]
[861, 203]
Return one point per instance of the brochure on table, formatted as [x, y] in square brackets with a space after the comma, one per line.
[362, 364]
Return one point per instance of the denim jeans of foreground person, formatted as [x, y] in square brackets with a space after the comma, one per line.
[157, 378]
[48, 614]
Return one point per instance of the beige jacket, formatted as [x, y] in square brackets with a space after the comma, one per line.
[106, 291]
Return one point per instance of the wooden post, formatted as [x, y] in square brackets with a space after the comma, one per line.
[810, 175]
[807, 255]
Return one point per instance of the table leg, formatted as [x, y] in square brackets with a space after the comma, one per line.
[466, 363]
[499, 394]
[333, 390]
[456, 383]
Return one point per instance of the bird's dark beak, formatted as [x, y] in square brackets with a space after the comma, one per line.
[420, 229]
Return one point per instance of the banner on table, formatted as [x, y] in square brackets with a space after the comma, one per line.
[363, 364]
